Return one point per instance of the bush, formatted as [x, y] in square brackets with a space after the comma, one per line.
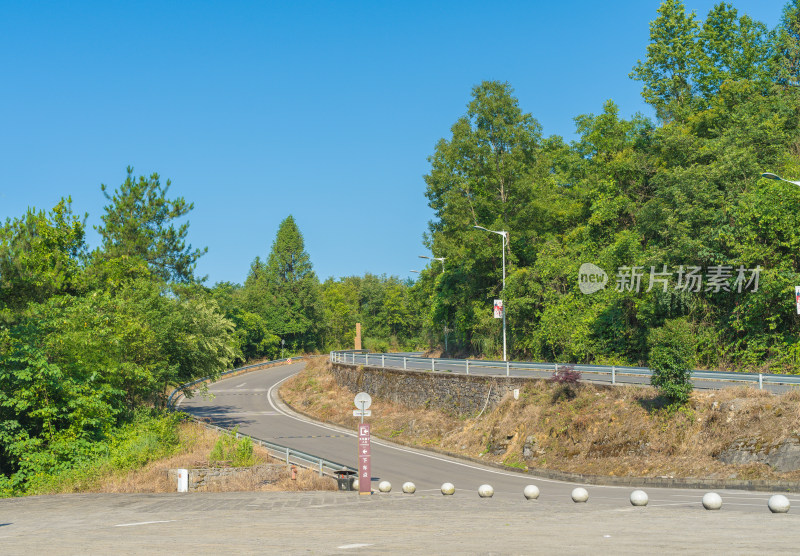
[672, 351]
[237, 452]
[567, 379]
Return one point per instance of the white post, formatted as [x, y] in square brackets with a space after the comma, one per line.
[183, 480]
[354, 358]
[760, 382]
[433, 364]
[404, 364]
[320, 467]
[383, 361]
[287, 456]
[508, 369]
[556, 364]
[613, 374]
[467, 365]
[366, 359]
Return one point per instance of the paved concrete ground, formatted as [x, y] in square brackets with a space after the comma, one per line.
[345, 523]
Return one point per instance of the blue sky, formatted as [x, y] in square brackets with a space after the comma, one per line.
[323, 110]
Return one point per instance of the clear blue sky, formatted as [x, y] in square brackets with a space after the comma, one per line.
[324, 110]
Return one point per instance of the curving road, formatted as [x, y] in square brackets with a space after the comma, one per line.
[250, 401]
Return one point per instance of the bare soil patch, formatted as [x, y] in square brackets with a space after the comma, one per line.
[598, 430]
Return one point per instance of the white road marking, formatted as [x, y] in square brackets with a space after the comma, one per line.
[423, 454]
[357, 545]
[235, 390]
[144, 523]
[242, 384]
[243, 414]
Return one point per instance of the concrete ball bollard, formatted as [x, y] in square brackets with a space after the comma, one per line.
[531, 492]
[712, 501]
[409, 488]
[448, 489]
[639, 498]
[580, 495]
[355, 484]
[778, 504]
[485, 491]
[385, 486]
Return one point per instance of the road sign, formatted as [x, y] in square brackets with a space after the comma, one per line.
[359, 413]
[498, 308]
[363, 400]
[364, 460]
[797, 298]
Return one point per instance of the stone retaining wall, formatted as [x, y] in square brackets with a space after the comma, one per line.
[463, 394]
[205, 476]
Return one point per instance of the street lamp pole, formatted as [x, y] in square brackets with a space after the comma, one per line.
[504, 235]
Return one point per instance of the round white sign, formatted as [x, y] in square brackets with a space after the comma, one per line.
[363, 400]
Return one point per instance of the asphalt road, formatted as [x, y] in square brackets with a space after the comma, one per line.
[250, 401]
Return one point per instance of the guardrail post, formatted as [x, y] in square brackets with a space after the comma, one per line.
[508, 368]
[404, 363]
[320, 467]
[467, 365]
[556, 364]
[366, 359]
[354, 358]
[287, 456]
[433, 364]
[760, 382]
[613, 374]
[383, 361]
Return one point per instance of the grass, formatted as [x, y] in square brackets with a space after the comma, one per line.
[623, 431]
[131, 470]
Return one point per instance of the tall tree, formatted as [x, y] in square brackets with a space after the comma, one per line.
[666, 72]
[286, 290]
[139, 223]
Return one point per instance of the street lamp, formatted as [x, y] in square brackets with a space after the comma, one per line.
[771, 176]
[504, 235]
[441, 259]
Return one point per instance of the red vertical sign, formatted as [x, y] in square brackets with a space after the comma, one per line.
[364, 456]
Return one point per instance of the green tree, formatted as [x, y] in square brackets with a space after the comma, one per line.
[285, 290]
[139, 223]
[667, 70]
[671, 358]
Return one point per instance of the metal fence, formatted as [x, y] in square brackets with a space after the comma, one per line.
[289, 455]
[609, 374]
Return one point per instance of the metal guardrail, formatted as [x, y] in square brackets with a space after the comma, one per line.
[612, 374]
[278, 451]
[291, 456]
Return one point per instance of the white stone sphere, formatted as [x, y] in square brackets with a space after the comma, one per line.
[385, 486]
[639, 498]
[448, 489]
[778, 504]
[409, 488]
[712, 501]
[531, 492]
[485, 491]
[580, 495]
[355, 484]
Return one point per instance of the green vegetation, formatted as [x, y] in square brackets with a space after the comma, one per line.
[88, 339]
[233, 451]
[635, 198]
[147, 437]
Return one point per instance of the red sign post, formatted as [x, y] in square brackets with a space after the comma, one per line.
[364, 457]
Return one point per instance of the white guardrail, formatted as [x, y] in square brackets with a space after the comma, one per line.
[609, 374]
[283, 453]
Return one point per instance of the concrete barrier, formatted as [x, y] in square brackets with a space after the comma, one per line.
[531, 492]
[712, 501]
[448, 489]
[485, 491]
[579, 495]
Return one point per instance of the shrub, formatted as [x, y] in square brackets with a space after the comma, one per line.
[237, 452]
[672, 350]
[567, 379]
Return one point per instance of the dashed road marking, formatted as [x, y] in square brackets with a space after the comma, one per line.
[356, 545]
